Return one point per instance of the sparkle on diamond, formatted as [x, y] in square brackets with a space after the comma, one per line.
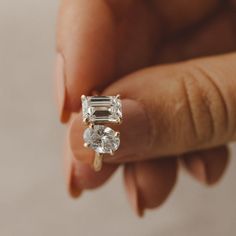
[102, 139]
[101, 109]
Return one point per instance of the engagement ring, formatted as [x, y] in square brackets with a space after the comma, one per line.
[98, 112]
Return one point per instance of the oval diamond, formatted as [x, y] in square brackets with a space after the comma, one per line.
[102, 139]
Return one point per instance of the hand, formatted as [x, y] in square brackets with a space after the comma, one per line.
[181, 111]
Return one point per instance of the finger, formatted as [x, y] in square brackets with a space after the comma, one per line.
[149, 183]
[201, 41]
[179, 15]
[79, 48]
[174, 109]
[178, 108]
[95, 44]
[233, 3]
[69, 164]
[100, 41]
[80, 176]
[207, 166]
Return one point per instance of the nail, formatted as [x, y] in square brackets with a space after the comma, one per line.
[132, 190]
[134, 135]
[70, 169]
[75, 186]
[61, 89]
[197, 168]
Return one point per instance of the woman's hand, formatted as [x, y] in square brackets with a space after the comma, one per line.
[184, 111]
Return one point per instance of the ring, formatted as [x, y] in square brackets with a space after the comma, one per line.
[98, 112]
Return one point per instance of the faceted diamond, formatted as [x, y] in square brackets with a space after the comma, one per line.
[102, 139]
[101, 109]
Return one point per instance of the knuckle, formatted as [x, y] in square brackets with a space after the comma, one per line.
[207, 104]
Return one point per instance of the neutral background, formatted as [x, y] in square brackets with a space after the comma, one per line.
[33, 200]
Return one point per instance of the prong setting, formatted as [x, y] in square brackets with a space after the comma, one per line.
[86, 145]
[117, 134]
[119, 121]
[85, 120]
[112, 153]
[91, 125]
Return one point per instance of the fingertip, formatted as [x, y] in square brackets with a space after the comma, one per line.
[81, 176]
[155, 180]
[131, 187]
[196, 167]
[207, 166]
[216, 171]
[64, 114]
[86, 178]
[72, 188]
[149, 183]
[84, 30]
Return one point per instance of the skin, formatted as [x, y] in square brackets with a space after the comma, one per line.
[173, 63]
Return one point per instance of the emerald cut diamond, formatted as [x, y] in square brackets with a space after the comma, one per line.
[101, 109]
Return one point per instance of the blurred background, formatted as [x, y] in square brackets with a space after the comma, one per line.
[33, 198]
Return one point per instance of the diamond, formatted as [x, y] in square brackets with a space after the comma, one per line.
[101, 139]
[101, 109]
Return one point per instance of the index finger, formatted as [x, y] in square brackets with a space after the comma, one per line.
[98, 42]
[85, 60]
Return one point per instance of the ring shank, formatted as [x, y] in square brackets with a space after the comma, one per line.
[97, 163]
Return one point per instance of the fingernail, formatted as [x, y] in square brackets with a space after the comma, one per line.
[197, 168]
[71, 181]
[75, 186]
[61, 89]
[132, 190]
[133, 134]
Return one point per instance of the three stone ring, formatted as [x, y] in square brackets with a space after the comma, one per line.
[98, 112]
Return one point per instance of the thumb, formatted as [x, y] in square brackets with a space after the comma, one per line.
[174, 109]
[95, 46]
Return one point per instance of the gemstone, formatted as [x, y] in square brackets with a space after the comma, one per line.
[101, 109]
[101, 139]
